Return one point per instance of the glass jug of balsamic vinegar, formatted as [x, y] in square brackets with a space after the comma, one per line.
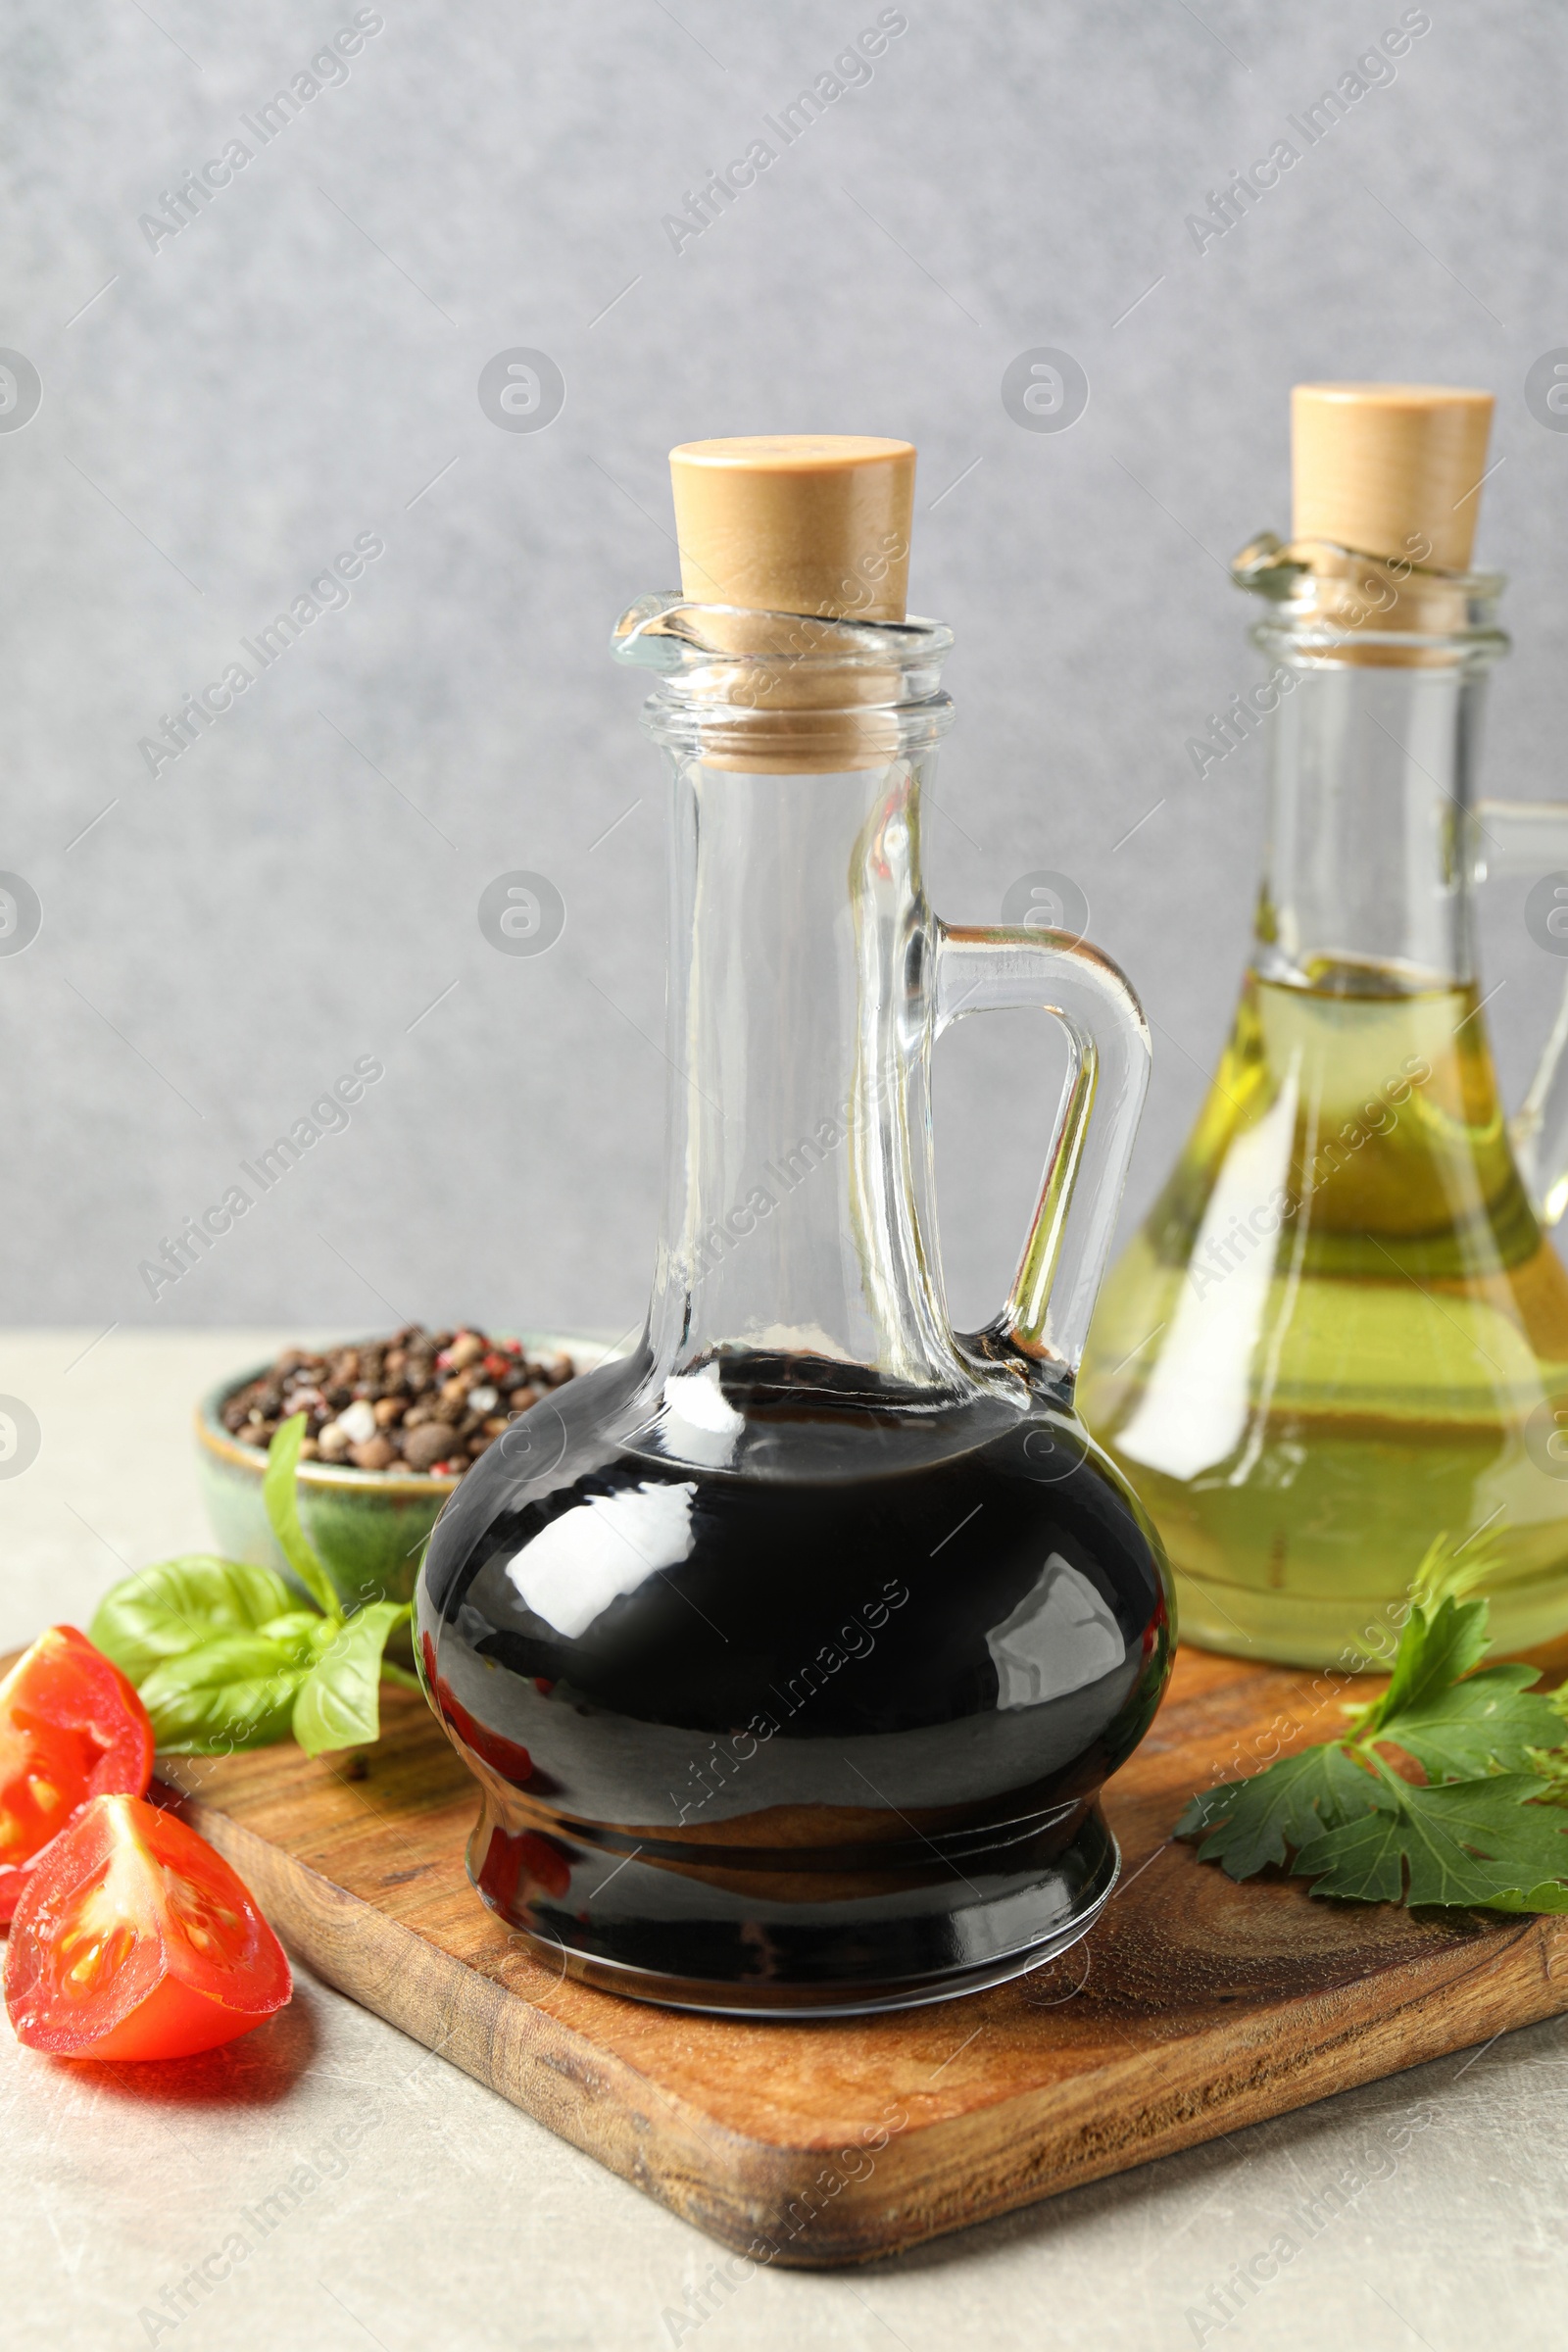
[791, 1651]
[1342, 1330]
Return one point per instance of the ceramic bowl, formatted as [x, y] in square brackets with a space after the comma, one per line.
[369, 1527]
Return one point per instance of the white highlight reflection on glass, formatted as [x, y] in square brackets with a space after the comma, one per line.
[572, 1571]
[1194, 1410]
[1061, 1638]
[702, 1425]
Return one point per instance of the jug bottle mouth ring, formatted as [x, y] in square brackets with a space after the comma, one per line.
[665, 630]
[786, 692]
[1342, 603]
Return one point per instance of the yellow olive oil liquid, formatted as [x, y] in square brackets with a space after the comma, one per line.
[1342, 1330]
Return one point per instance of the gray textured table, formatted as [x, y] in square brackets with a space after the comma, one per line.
[326, 2183]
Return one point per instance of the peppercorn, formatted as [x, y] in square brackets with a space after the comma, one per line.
[426, 1402]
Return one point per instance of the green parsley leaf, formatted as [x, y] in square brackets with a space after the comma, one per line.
[1435, 1648]
[1485, 1827]
[1466, 1843]
[1441, 1640]
[1488, 1722]
[1251, 1823]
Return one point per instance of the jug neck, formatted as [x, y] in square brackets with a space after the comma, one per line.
[1375, 690]
[799, 1213]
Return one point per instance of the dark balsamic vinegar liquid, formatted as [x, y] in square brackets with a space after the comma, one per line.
[769, 1735]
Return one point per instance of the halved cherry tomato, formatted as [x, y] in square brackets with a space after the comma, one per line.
[134, 1940]
[72, 1728]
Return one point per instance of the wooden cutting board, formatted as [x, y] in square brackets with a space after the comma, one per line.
[1195, 2005]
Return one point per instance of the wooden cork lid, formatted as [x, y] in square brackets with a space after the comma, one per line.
[795, 522]
[1392, 471]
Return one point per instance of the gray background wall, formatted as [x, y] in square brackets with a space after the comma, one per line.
[301, 361]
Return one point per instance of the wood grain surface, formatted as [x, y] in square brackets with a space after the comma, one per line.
[1193, 2007]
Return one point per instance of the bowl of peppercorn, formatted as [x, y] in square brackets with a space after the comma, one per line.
[391, 1426]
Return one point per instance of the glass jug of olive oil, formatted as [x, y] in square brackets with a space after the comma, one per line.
[1341, 1330]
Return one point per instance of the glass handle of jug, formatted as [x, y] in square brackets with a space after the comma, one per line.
[1045, 1316]
[1531, 838]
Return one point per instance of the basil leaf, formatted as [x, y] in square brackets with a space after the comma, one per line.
[339, 1704]
[179, 1605]
[234, 1692]
[313, 1634]
[280, 1495]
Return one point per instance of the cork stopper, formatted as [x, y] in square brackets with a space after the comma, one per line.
[795, 522]
[1391, 470]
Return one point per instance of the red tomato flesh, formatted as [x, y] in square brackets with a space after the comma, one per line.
[72, 1728]
[134, 1940]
